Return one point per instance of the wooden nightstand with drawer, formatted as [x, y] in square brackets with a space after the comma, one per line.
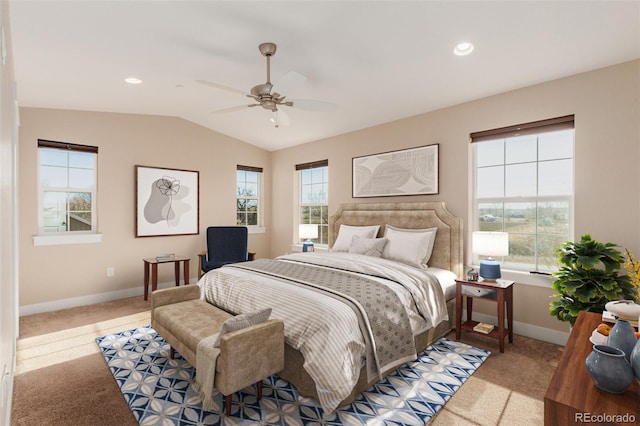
[500, 291]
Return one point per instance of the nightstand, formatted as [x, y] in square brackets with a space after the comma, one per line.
[500, 291]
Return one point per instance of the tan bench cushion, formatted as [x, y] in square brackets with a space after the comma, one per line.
[184, 320]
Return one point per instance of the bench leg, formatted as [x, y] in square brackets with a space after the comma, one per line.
[173, 352]
[227, 398]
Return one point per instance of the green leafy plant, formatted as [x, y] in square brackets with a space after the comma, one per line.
[588, 278]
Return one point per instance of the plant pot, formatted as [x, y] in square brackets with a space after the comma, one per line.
[608, 369]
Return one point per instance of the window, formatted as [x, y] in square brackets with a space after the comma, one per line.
[313, 198]
[248, 204]
[67, 182]
[524, 186]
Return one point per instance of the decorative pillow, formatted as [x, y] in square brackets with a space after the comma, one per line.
[346, 233]
[410, 246]
[242, 321]
[367, 246]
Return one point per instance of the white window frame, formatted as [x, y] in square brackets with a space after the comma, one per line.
[513, 131]
[259, 227]
[299, 205]
[67, 237]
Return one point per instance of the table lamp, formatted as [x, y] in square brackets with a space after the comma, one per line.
[308, 232]
[490, 244]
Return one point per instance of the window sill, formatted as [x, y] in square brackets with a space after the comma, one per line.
[57, 240]
[318, 248]
[256, 229]
[522, 277]
[528, 278]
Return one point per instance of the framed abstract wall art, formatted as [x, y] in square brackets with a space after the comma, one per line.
[411, 171]
[167, 201]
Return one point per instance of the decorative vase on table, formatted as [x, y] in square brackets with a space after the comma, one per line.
[622, 336]
[608, 369]
[635, 360]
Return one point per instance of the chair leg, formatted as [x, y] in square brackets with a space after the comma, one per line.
[227, 405]
[172, 352]
[259, 389]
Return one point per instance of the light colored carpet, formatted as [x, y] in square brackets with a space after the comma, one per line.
[508, 389]
[66, 345]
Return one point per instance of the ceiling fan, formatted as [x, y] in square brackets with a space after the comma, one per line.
[263, 96]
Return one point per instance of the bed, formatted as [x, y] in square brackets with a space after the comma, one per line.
[324, 359]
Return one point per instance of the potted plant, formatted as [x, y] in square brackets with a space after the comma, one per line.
[588, 278]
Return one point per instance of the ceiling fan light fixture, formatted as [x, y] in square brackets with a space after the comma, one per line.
[463, 49]
[269, 104]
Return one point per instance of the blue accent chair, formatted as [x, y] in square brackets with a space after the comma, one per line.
[225, 245]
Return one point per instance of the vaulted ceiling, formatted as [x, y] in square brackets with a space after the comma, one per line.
[376, 61]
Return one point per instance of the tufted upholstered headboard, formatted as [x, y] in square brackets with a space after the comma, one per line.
[447, 251]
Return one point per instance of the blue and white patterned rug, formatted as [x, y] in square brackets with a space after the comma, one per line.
[159, 389]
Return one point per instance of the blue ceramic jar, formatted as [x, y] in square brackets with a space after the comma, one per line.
[635, 359]
[608, 369]
[622, 336]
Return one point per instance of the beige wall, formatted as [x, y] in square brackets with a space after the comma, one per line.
[53, 273]
[606, 104]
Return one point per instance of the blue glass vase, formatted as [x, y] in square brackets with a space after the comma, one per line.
[623, 337]
[608, 369]
[635, 360]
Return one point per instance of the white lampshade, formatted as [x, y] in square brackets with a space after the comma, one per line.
[490, 244]
[308, 231]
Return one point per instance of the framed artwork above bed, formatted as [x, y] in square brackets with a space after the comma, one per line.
[411, 171]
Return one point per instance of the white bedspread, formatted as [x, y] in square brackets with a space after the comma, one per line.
[323, 329]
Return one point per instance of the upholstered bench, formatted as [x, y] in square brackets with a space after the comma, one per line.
[246, 356]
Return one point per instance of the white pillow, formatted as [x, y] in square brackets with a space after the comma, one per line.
[410, 246]
[241, 321]
[367, 246]
[346, 233]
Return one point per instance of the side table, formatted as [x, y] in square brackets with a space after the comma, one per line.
[498, 291]
[152, 263]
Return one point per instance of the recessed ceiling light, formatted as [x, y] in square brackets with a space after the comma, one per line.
[133, 80]
[463, 49]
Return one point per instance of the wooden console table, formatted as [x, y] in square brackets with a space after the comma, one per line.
[153, 264]
[572, 397]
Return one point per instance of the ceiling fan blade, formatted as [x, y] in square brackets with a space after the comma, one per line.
[280, 118]
[311, 105]
[290, 80]
[221, 87]
[235, 108]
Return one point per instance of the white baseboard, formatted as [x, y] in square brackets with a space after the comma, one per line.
[91, 299]
[527, 330]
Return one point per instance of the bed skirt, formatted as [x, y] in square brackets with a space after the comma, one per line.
[295, 373]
